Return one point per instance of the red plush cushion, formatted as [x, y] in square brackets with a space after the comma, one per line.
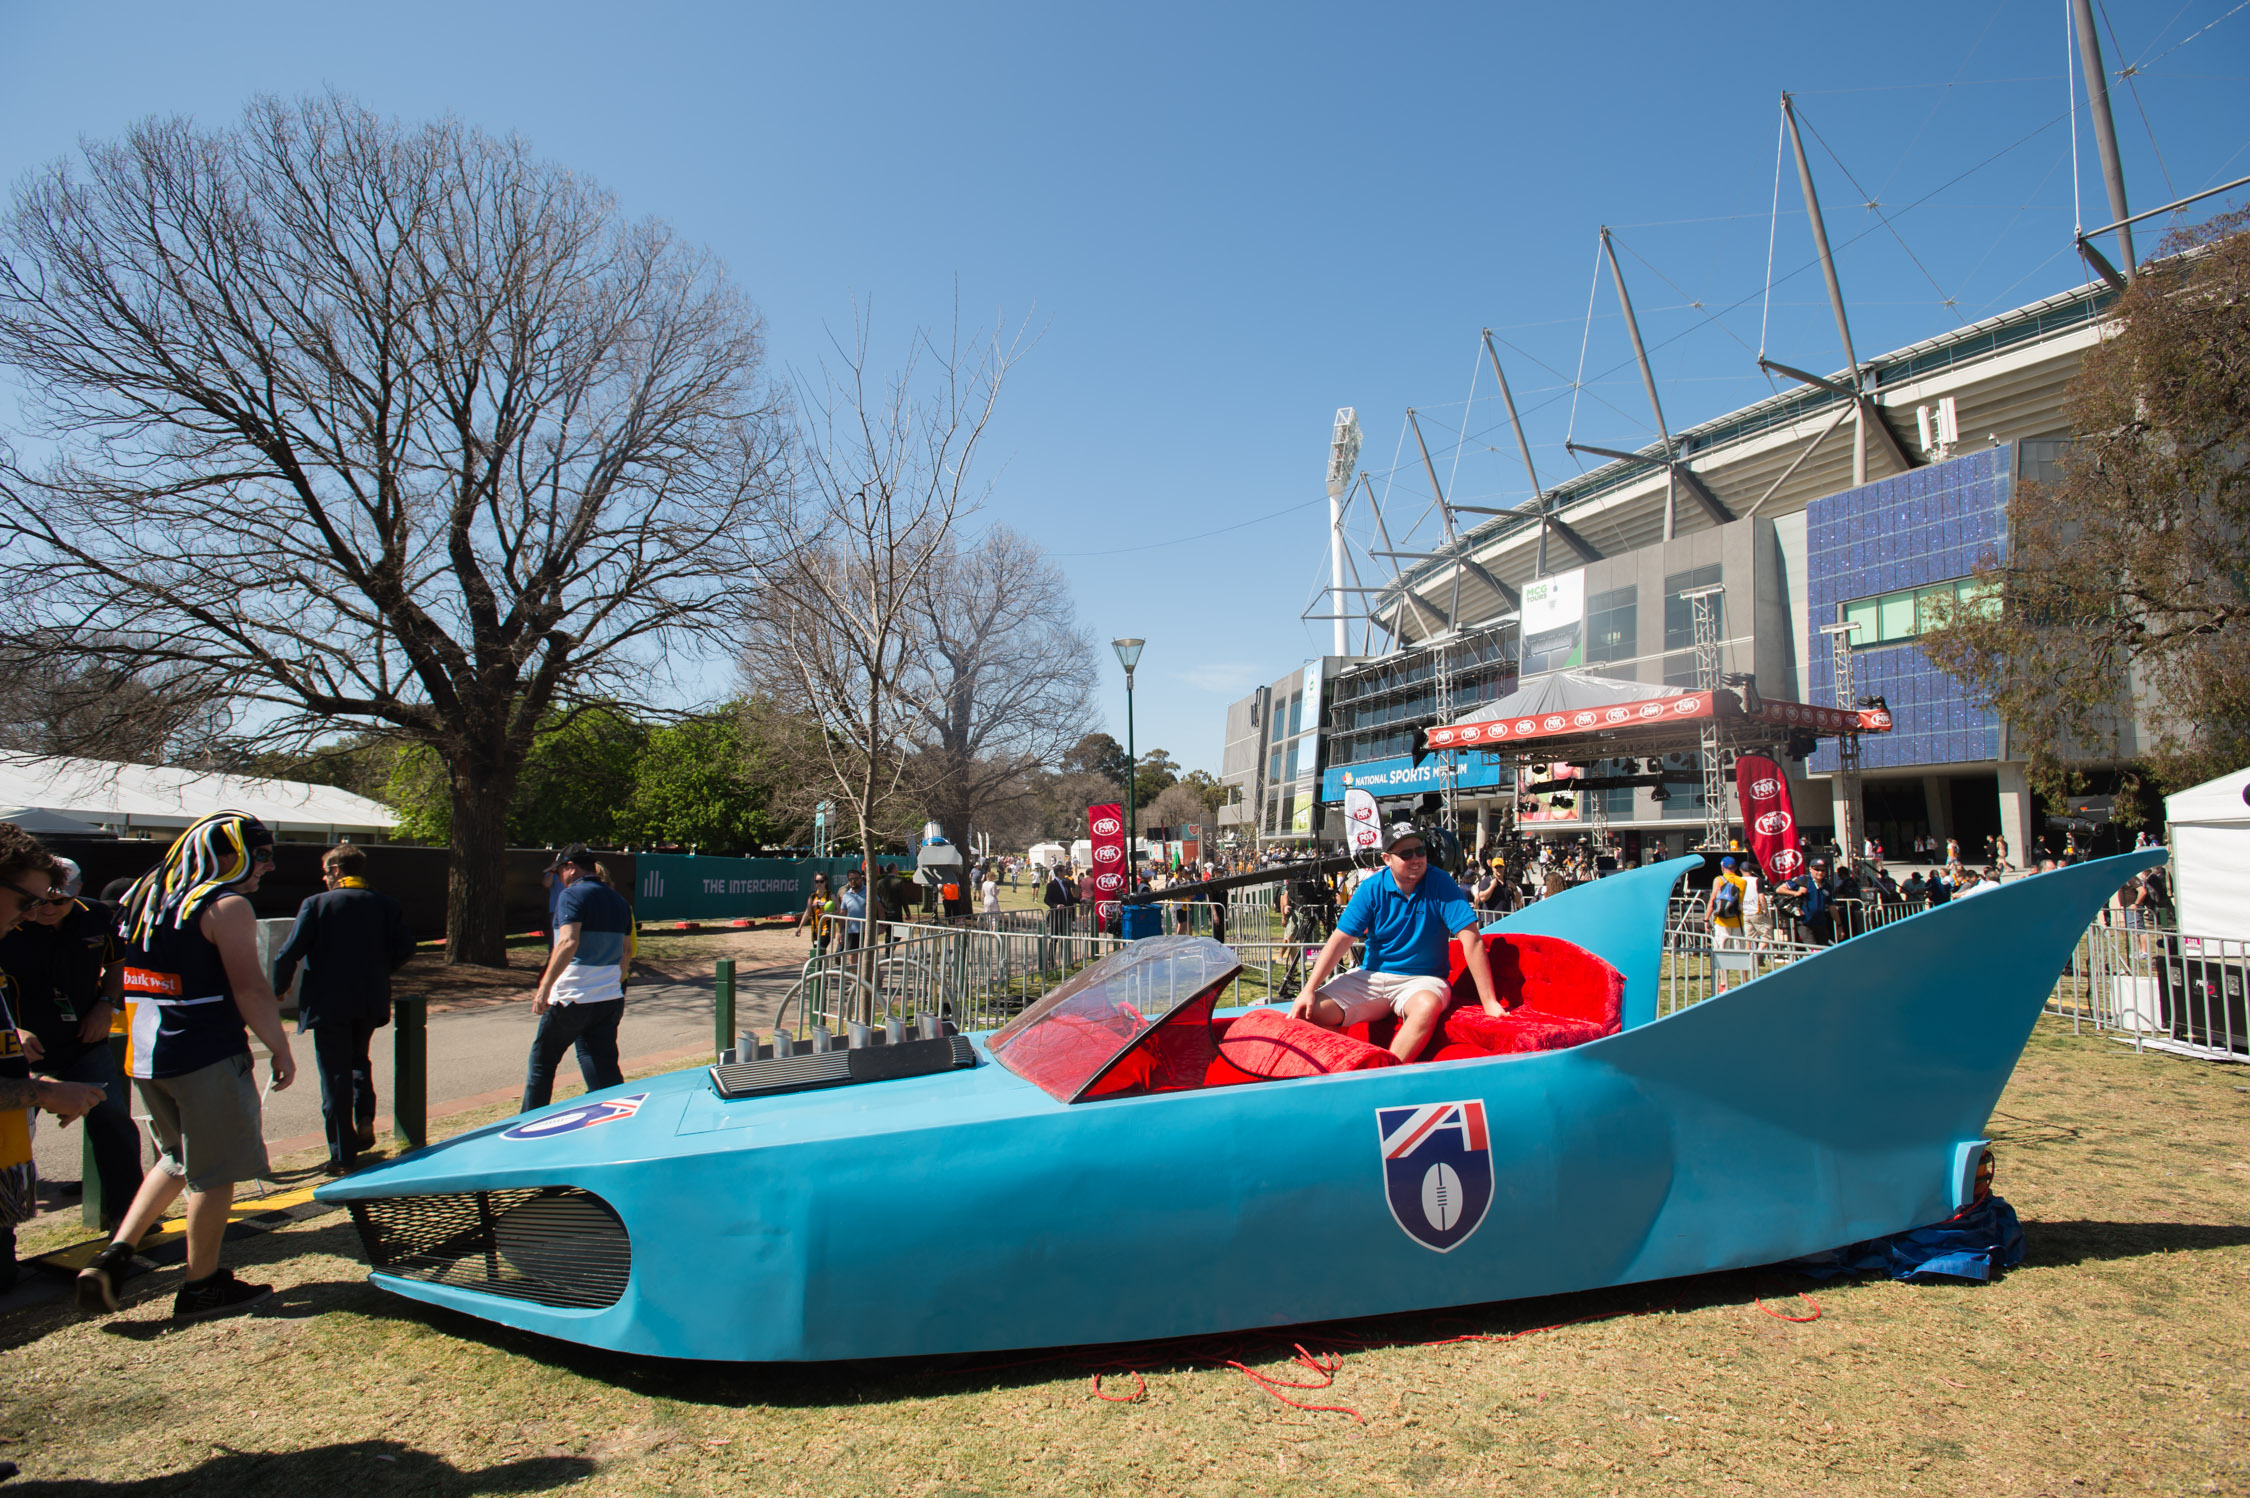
[1268, 1043]
[1513, 1033]
[1557, 978]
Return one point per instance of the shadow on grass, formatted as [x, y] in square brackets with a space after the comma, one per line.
[356, 1466]
[860, 1381]
[799, 1385]
[2058, 1245]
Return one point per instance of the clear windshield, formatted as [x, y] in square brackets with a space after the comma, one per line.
[1065, 1042]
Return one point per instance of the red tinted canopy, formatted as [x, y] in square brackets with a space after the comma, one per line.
[1065, 1042]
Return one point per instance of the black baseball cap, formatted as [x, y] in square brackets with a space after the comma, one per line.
[576, 856]
[1399, 832]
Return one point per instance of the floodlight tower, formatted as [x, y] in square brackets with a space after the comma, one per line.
[1343, 458]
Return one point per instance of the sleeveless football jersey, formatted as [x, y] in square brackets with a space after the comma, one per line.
[179, 1007]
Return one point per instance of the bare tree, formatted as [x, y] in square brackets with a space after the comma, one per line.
[376, 427]
[834, 624]
[52, 705]
[1006, 679]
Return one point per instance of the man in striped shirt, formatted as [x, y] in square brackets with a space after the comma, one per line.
[581, 994]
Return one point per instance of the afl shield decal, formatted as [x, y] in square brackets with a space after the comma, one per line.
[584, 1116]
[1437, 1170]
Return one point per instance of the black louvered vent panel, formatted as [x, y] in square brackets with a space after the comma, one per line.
[557, 1245]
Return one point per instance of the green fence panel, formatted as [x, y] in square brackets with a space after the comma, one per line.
[690, 887]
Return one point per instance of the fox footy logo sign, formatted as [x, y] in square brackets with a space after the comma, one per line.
[1437, 1170]
[584, 1116]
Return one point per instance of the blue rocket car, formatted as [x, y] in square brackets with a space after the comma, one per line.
[1091, 1174]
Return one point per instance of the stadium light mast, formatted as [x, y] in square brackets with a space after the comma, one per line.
[2105, 128]
[1867, 417]
[1343, 459]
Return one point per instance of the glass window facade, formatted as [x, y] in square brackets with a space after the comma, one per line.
[1892, 617]
[1899, 535]
[1612, 626]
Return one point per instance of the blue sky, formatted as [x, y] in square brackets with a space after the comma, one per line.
[1226, 221]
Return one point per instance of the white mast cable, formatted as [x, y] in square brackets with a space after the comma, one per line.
[1773, 227]
[1579, 382]
[1468, 409]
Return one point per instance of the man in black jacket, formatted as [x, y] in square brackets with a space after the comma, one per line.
[350, 940]
[56, 957]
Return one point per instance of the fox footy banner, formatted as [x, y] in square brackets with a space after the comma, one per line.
[1106, 825]
[1767, 815]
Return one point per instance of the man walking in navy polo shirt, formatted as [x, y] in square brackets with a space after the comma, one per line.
[581, 995]
[1407, 914]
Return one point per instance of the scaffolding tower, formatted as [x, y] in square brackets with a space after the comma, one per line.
[1851, 819]
[1707, 669]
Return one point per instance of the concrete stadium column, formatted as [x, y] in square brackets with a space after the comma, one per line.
[2015, 811]
[1484, 828]
[1937, 791]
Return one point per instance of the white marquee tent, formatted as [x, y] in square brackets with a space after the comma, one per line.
[2209, 829]
[132, 799]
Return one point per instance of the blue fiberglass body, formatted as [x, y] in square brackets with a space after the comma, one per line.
[1823, 1104]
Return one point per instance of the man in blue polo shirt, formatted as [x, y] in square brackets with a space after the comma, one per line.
[581, 995]
[1407, 914]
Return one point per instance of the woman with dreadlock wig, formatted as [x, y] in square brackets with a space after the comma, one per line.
[191, 982]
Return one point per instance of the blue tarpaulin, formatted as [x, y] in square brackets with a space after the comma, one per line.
[1970, 1245]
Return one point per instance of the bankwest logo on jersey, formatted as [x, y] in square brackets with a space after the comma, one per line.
[140, 980]
[1437, 1170]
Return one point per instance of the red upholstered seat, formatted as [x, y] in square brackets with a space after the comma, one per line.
[1268, 1043]
[1557, 994]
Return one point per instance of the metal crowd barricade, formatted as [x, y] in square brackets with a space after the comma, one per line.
[2161, 990]
[2158, 989]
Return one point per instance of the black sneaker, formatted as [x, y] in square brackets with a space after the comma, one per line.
[364, 1137]
[220, 1295]
[99, 1280]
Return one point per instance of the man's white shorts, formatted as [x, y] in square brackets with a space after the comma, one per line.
[1365, 996]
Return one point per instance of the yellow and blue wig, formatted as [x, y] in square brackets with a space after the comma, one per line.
[215, 852]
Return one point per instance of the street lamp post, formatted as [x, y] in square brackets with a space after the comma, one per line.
[1129, 656]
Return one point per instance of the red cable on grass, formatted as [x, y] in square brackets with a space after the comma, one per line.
[1140, 1386]
[1778, 1316]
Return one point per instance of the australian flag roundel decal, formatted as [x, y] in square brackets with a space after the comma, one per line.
[1437, 1170]
[584, 1116]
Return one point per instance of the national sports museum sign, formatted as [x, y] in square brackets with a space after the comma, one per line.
[1401, 776]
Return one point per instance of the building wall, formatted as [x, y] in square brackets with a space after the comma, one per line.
[1929, 525]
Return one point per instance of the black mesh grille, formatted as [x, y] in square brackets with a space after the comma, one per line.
[557, 1245]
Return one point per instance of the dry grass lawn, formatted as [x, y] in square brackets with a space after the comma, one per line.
[2110, 1363]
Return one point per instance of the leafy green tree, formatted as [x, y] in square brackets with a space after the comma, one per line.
[1099, 754]
[575, 787]
[699, 784]
[1212, 792]
[1157, 774]
[578, 780]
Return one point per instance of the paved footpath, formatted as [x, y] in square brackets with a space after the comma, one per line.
[477, 1055]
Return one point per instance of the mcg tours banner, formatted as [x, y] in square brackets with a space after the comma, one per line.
[1767, 815]
[1107, 825]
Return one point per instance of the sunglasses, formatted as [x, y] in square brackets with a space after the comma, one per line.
[1410, 854]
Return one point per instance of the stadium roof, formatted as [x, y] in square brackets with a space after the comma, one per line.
[120, 797]
[2007, 375]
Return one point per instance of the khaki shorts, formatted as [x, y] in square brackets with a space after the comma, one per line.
[208, 1124]
[1365, 996]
